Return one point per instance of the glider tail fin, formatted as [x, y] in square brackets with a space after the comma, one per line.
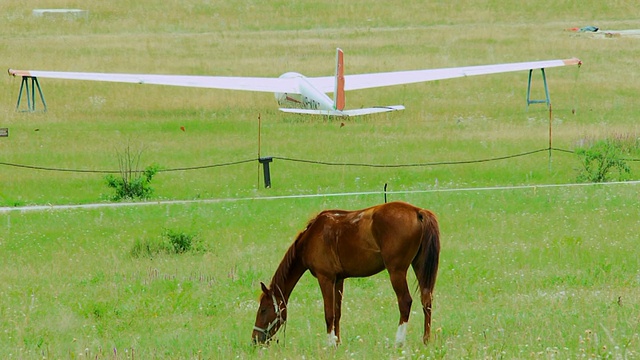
[338, 94]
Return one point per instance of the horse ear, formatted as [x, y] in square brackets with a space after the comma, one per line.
[264, 288]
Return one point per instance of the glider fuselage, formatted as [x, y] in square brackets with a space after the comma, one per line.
[308, 96]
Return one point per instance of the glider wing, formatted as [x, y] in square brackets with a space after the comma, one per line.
[373, 80]
[284, 85]
[288, 85]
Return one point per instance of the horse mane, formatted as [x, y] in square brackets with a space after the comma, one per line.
[282, 272]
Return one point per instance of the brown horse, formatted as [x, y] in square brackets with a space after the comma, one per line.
[339, 244]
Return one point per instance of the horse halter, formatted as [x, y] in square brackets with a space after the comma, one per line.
[279, 318]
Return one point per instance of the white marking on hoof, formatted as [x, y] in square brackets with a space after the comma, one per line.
[401, 334]
[333, 339]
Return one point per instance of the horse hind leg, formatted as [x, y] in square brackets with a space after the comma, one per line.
[426, 297]
[337, 292]
[399, 283]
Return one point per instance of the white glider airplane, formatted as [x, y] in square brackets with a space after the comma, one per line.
[296, 93]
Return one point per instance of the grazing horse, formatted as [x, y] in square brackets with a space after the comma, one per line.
[339, 244]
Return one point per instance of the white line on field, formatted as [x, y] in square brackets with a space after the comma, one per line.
[226, 200]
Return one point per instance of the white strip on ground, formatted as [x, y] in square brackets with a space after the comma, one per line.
[31, 208]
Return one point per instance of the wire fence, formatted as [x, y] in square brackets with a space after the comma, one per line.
[306, 161]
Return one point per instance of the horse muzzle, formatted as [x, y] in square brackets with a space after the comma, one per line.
[259, 336]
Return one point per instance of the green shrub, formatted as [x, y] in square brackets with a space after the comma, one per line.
[171, 242]
[181, 242]
[132, 183]
[601, 159]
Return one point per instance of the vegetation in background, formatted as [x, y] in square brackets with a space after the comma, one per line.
[604, 160]
[445, 121]
[132, 183]
[171, 242]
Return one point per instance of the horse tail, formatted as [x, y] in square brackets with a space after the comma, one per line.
[427, 259]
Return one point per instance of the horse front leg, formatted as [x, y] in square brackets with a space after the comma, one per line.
[332, 304]
[399, 283]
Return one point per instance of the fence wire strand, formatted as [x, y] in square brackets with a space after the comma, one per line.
[306, 161]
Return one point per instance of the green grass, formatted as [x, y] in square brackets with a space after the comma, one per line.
[524, 273]
[535, 272]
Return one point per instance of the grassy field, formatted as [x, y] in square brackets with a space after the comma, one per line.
[533, 272]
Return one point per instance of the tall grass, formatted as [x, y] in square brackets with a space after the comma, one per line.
[529, 273]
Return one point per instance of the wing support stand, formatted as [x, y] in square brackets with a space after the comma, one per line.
[30, 92]
[547, 101]
[546, 90]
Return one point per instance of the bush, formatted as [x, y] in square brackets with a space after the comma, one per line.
[600, 160]
[171, 242]
[132, 183]
[181, 242]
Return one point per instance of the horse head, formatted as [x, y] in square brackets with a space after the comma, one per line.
[272, 313]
